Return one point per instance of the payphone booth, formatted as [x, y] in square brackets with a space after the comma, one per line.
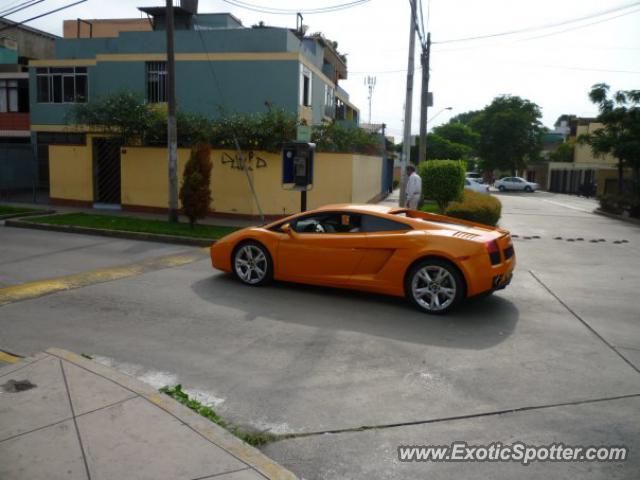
[297, 169]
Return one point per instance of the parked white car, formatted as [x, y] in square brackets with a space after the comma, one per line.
[515, 183]
[474, 176]
[474, 185]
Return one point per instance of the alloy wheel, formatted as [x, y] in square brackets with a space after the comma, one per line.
[251, 264]
[433, 288]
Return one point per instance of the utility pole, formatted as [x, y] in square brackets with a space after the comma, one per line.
[406, 142]
[172, 133]
[370, 82]
[424, 99]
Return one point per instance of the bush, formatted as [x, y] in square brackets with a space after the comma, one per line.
[618, 204]
[476, 207]
[442, 181]
[254, 131]
[333, 137]
[195, 193]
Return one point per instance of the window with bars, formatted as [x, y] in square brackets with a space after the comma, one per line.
[62, 84]
[156, 82]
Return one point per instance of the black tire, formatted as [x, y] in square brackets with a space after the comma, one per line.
[446, 300]
[528, 189]
[258, 267]
[501, 188]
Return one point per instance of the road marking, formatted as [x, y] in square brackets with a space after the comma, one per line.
[8, 358]
[568, 206]
[25, 291]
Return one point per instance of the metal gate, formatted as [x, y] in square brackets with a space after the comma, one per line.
[106, 171]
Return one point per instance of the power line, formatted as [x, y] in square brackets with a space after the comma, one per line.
[20, 7]
[13, 24]
[543, 27]
[577, 27]
[282, 11]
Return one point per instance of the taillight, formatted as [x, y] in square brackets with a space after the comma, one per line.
[493, 251]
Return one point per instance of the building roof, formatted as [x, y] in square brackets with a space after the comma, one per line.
[10, 24]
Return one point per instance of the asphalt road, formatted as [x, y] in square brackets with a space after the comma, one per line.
[553, 358]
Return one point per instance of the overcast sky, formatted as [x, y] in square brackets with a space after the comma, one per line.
[555, 71]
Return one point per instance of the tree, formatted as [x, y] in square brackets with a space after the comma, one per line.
[195, 193]
[441, 147]
[510, 133]
[466, 118]
[620, 134]
[458, 133]
[563, 152]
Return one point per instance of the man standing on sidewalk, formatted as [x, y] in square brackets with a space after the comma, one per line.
[414, 188]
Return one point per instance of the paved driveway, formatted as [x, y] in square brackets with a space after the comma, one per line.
[554, 358]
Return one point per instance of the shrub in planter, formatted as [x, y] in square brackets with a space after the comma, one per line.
[476, 207]
[442, 181]
[195, 193]
[619, 204]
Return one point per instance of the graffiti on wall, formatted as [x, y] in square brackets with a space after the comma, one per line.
[251, 160]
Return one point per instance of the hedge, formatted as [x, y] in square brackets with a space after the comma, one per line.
[476, 207]
[442, 181]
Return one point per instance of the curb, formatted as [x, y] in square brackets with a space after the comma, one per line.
[633, 221]
[149, 237]
[207, 429]
[37, 213]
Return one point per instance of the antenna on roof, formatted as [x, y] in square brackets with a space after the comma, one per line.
[370, 82]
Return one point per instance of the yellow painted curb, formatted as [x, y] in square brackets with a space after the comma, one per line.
[16, 293]
[8, 358]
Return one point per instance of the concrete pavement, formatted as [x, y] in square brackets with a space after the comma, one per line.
[63, 416]
[551, 358]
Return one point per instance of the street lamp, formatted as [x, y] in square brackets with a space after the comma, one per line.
[433, 118]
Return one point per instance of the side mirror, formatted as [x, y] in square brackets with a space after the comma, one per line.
[286, 228]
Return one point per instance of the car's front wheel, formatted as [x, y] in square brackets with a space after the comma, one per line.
[502, 188]
[252, 264]
[528, 189]
[434, 286]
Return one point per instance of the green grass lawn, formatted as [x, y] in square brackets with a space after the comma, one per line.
[10, 210]
[130, 224]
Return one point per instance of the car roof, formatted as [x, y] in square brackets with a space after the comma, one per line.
[356, 207]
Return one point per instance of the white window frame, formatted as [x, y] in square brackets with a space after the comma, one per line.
[305, 72]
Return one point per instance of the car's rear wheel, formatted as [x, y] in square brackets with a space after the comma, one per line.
[434, 286]
[252, 264]
[501, 188]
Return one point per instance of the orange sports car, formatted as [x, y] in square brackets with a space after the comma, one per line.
[433, 260]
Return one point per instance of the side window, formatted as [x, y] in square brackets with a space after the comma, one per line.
[305, 86]
[330, 222]
[372, 223]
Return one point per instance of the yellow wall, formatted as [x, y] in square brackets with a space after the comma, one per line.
[367, 178]
[583, 153]
[71, 172]
[338, 178]
[144, 173]
[609, 174]
[105, 27]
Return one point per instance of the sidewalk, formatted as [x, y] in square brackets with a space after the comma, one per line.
[64, 416]
[392, 199]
